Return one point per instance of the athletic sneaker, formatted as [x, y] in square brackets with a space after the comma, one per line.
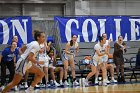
[96, 82]
[86, 83]
[38, 85]
[2, 87]
[113, 81]
[16, 88]
[66, 83]
[26, 85]
[61, 83]
[47, 85]
[107, 81]
[29, 90]
[104, 84]
[75, 83]
[56, 84]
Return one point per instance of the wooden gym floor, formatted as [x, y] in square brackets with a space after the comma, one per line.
[116, 88]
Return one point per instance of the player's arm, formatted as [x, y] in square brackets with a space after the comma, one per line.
[67, 48]
[124, 46]
[99, 53]
[33, 60]
[22, 49]
[77, 49]
[48, 45]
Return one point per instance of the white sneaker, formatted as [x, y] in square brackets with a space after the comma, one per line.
[75, 83]
[86, 83]
[29, 90]
[61, 83]
[104, 84]
[56, 84]
[107, 81]
[66, 83]
[2, 87]
[37, 85]
[47, 85]
[26, 85]
[42, 85]
[16, 88]
[113, 81]
[96, 82]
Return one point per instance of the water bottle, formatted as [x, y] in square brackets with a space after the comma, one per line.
[83, 82]
[69, 81]
[80, 82]
[100, 83]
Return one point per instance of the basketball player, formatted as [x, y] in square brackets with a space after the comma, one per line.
[25, 63]
[100, 57]
[92, 66]
[68, 58]
[54, 68]
[109, 66]
[42, 56]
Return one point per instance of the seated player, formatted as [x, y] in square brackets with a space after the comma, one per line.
[54, 69]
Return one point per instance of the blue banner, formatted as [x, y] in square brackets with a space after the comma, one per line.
[88, 28]
[20, 26]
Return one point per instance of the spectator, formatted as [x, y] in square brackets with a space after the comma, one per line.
[15, 39]
[54, 68]
[8, 59]
[119, 49]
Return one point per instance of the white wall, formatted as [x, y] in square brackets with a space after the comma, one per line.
[107, 7]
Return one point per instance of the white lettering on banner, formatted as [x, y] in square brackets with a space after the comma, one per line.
[102, 26]
[125, 38]
[85, 30]
[133, 29]
[84, 27]
[22, 32]
[110, 37]
[5, 32]
[118, 32]
[68, 28]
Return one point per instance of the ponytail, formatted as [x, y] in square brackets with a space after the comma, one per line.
[71, 43]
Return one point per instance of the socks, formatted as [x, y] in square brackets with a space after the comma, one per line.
[54, 81]
[60, 81]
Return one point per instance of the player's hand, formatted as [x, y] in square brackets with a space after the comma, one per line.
[49, 44]
[106, 52]
[73, 54]
[41, 50]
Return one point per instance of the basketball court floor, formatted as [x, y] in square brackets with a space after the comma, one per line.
[116, 88]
